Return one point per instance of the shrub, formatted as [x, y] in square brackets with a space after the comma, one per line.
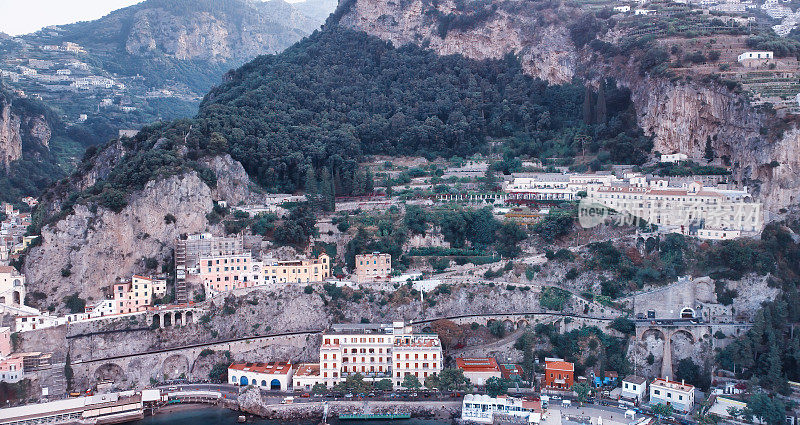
[74, 303]
[553, 298]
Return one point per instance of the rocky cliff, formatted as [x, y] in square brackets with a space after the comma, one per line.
[215, 31]
[10, 139]
[22, 130]
[209, 36]
[90, 248]
[680, 115]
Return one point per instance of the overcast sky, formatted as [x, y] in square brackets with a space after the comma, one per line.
[25, 16]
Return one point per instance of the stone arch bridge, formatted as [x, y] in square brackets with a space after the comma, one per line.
[565, 321]
[174, 361]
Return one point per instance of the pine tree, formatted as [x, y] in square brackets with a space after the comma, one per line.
[369, 182]
[600, 108]
[587, 106]
[312, 192]
[68, 372]
[773, 377]
[359, 187]
[709, 154]
[326, 191]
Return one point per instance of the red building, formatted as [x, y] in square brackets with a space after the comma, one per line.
[559, 374]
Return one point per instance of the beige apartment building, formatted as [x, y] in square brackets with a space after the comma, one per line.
[228, 272]
[378, 351]
[137, 295]
[294, 271]
[689, 210]
[374, 267]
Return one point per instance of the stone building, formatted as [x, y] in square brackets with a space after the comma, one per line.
[373, 267]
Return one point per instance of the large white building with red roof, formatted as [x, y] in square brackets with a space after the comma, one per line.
[271, 376]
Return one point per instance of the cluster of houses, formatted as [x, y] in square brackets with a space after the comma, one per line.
[14, 366]
[222, 264]
[559, 377]
[12, 231]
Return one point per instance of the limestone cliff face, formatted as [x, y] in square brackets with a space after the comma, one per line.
[217, 35]
[545, 49]
[679, 115]
[20, 131]
[99, 247]
[10, 139]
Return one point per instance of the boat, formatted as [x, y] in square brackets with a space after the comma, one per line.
[241, 419]
[376, 416]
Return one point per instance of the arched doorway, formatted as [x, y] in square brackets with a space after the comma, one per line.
[156, 321]
[178, 319]
[167, 320]
[275, 384]
[263, 383]
[17, 298]
[243, 381]
[687, 313]
[189, 317]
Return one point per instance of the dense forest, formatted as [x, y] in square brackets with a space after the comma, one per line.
[340, 94]
[303, 118]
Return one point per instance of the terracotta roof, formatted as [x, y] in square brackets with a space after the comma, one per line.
[8, 269]
[307, 369]
[535, 405]
[479, 364]
[560, 366]
[273, 368]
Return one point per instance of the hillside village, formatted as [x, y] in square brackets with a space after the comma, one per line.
[668, 324]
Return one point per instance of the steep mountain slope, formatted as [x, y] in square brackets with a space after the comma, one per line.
[558, 41]
[301, 120]
[148, 62]
[29, 133]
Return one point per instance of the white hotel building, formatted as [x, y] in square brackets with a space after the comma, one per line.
[697, 210]
[378, 351]
[687, 207]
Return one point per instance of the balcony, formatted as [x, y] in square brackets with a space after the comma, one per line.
[369, 375]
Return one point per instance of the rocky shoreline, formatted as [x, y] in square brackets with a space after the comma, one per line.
[250, 401]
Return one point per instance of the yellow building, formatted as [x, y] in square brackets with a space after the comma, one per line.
[373, 267]
[228, 272]
[294, 271]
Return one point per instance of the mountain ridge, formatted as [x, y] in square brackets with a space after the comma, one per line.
[682, 114]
